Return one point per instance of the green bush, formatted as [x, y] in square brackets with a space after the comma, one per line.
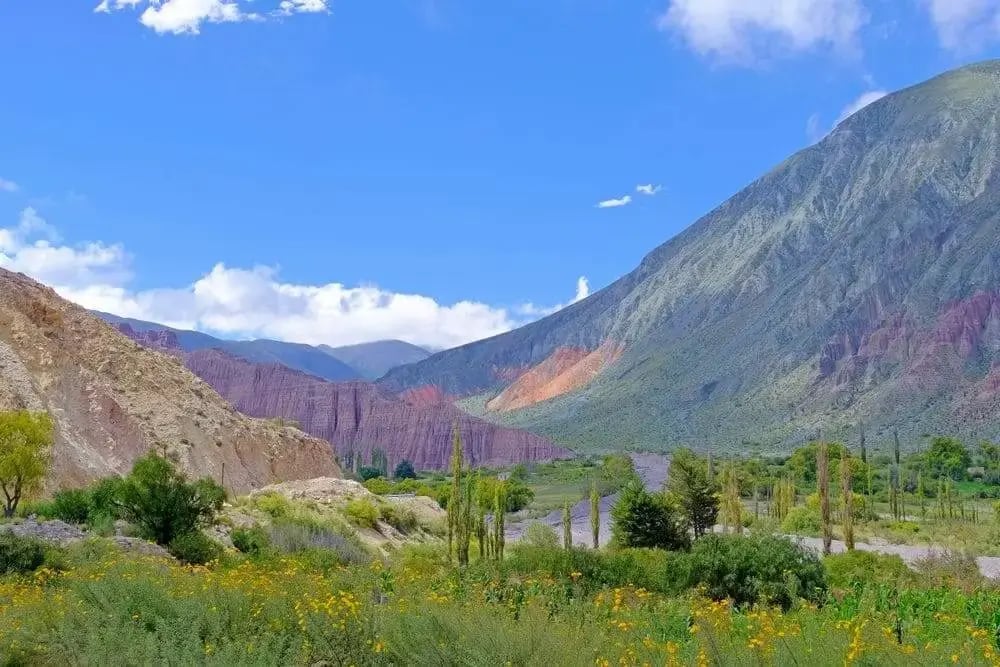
[71, 506]
[369, 472]
[19, 555]
[163, 504]
[642, 519]
[194, 548]
[539, 534]
[859, 568]
[105, 499]
[362, 512]
[378, 485]
[251, 541]
[756, 569]
[299, 538]
[801, 521]
[402, 519]
[404, 470]
[273, 504]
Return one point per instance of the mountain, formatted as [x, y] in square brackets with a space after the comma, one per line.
[356, 417]
[375, 359]
[113, 400]
[366, 361]
[859, 280]
[305, 358]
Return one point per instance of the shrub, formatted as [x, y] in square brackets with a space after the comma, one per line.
[369, 472]
[404, 470]
[542, 535]
[402, 519]
[194, 548]
[71, 506]
[273, 504]
[378, 485]
[950, 570]
[751, 570]
[643, 519]
[158, 500]
[801, 521]
[293, 537]
[362, 512]
[518, 494]
[105, 499]
[251, 541]
[855, 568]
[19, 555]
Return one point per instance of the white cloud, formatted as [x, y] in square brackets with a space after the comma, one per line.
[615, 203]
[648, 189]
[814, 127]
[740, 31]
[532, 311]
[8, 186]
[964, 25]
[187, 16]
[255, 302]
[288, 7]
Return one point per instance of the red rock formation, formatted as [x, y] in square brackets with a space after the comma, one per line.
[565, 370]
[358, 416]
[426, 395]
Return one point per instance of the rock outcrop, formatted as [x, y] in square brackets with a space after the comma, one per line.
[113, 400]
[357, 417]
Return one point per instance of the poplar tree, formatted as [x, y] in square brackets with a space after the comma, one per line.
[455, 498]
[595, 514]
[499, 515]
[567, 525]
[823, 482]
[848, 500]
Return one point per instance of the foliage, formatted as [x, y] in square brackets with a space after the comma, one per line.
[859, 568]
[404, 470]
[19, 555]
[252, 541]
[402, 519]
[163, 504]
[378, 485]
[25, 444]
[519, 495]
[104, 499]
[72, 506]
[947, 457]
[693, 491]
[273, 504]
[539, 534]
[362, 512]
[369, 472]
[194, 548]
[643, 519]
[756, 569]
[802, 521]
[311, 539]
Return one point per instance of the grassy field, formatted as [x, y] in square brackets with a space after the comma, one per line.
[97, 606]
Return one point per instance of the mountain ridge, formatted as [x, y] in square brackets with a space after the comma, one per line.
[731, 329]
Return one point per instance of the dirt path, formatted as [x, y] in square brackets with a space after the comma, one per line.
[652, 469]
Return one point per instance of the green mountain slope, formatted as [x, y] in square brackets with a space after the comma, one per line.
[858, 280]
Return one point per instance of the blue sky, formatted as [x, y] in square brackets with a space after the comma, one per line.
[338, 171]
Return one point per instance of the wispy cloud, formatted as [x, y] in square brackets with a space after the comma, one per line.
[615, 203]
[649, 189]
[8, 186]
[815, 130]
[741, 32]
[582, 292]
[965, 25]
[180, 17]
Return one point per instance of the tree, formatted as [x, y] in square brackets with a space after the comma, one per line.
[848, 501]
[947, 457]
[404, 470]
[519, 495]
[25, 449]
[369, 472]
[499, 532]
[163, 504]
[567, 522]
[693, 492]
[732, 504]
[458, 512]
[595, 515]
[643, 519]
[823, 482]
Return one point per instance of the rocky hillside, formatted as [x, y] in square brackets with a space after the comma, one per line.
[113, 400]
[858, 280]
[356, 417]
[375, 359]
